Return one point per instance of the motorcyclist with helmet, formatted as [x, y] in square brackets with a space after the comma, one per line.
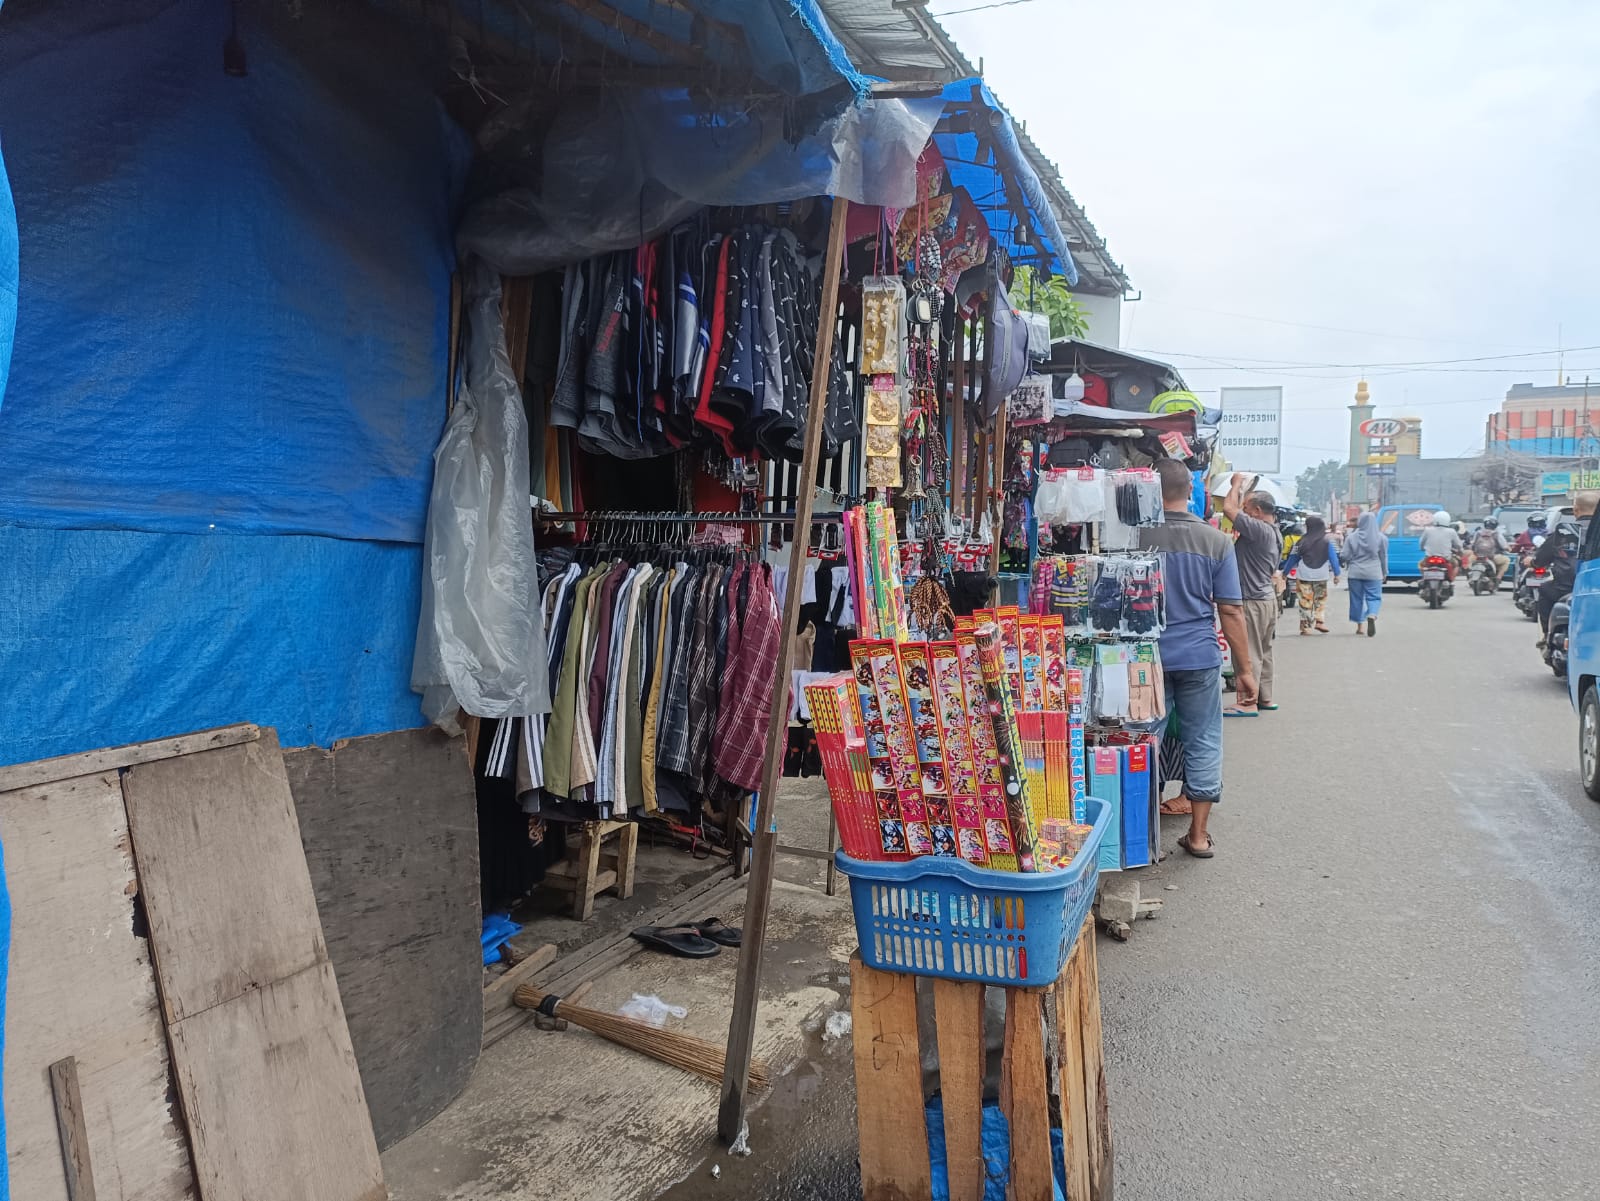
[1559, 555]
[1491, 545]
[1529, 539]
[1441, 540]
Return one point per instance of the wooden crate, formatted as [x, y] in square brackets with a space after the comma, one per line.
[602, 858]
[888, 1061]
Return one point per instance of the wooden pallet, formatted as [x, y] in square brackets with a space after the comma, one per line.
[603, 859]
[888, 1061]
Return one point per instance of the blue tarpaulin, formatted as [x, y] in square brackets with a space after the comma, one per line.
[235, 291]
[980, 147]
[233, 323]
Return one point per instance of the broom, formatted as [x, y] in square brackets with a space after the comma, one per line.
[684, 1051]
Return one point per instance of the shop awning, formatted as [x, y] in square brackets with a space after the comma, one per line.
[774, 46]
[980, 147]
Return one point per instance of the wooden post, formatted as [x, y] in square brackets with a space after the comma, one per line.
[1022, 1095]
[994, 500]
[72, 1129]
[958, 1024]
[889, 1114]
[958, 424]
[742, 1029]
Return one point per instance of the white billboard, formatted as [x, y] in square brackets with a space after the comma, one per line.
[1252, 429]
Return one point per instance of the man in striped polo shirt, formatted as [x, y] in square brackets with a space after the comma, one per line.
[1201, 578]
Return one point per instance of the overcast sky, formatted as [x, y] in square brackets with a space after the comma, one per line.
[1350, 183]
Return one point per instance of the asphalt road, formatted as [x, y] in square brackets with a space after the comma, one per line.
[1387, 983]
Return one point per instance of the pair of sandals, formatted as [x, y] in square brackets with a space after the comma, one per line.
[697, 940]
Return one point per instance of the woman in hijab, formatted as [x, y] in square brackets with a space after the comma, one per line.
[1315, 562]
[1366, 565]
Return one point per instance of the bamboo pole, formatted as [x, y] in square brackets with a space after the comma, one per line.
[742, 1029]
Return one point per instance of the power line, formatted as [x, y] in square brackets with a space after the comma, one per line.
[1336, 329]
[1412, 363]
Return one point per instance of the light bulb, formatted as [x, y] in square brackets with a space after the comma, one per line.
[1072, 387]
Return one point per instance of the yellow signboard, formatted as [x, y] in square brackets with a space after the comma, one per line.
[1376, 460]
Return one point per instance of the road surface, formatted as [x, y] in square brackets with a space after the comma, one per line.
[1385, 985]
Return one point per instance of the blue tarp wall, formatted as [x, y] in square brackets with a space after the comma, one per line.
[227, 379]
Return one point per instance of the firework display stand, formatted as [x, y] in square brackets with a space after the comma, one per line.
[1052, 1049]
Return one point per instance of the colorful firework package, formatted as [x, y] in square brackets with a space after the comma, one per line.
[956, 749]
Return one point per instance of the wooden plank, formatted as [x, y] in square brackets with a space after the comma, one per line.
[274, 1100]
[747, 981]
[81, 984]
[262, 1055]
[959, 436]
[70, 1126]
[627, 858]
[1024, 1096]
[894, 1137]
[1070, 1080]
[593, 960]
[497, 993]
[88, 763]
[226, 885]
[1094, 1071]
[958, 1023]
[389, 826]
[588, 867]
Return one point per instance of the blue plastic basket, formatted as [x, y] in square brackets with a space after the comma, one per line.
[943, 917]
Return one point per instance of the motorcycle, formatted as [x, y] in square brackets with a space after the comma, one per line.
[1555, 638]
[1291, 595]
[1481, 576]
[1436, 587]
[1526, 595]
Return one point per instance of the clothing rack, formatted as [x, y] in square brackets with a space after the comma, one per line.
[622, 515]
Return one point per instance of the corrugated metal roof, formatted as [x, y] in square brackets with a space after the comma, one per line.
[901, 41]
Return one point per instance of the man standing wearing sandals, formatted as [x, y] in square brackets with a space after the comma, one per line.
[1201, 577]
[1260, 550]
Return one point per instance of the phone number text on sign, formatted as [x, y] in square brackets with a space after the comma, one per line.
[1251, 435]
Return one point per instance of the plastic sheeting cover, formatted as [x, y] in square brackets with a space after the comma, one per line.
[480, 637]
[612, 178]
[234, 312]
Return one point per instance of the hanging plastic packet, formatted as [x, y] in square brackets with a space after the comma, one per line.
[883, 315]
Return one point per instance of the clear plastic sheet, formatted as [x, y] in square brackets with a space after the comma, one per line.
[590, 180]
[480, 637]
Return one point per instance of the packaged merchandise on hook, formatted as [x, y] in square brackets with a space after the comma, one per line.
[1118, 595]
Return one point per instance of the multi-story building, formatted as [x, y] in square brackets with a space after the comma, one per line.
[1549, 422]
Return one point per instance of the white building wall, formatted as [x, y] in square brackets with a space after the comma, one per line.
[1105, 318]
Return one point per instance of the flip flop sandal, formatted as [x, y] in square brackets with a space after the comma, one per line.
[1236, 711]
[683, 941]
[728, 936]
[1211, 844]
[1271, 708]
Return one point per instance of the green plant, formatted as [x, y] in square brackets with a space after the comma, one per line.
[1052, 297]
[1316, 486]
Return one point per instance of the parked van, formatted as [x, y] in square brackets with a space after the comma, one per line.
[1583, 659]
